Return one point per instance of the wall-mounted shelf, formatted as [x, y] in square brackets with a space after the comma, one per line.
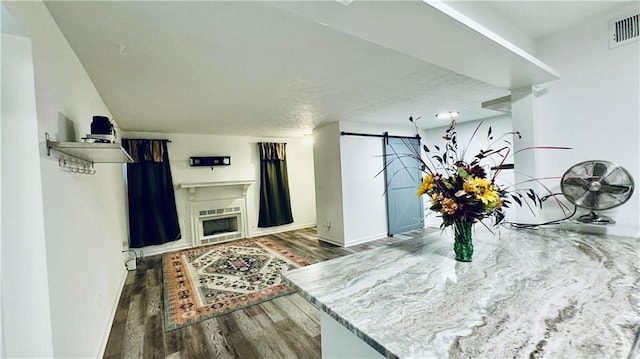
[80, 156]
[92, 152]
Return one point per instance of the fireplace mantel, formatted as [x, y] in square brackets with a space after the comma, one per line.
[193, 186]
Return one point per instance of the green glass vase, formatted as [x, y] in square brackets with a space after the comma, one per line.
[463, 241]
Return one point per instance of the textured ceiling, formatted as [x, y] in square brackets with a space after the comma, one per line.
[249, 68]
[543, 18]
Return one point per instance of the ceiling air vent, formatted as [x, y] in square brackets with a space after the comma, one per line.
[624, 31]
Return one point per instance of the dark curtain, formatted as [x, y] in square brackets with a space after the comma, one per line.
[153, 218]
[275, 202]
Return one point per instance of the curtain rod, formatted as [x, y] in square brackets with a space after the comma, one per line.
[147, 139]
[384, 135]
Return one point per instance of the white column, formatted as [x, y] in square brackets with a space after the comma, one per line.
[26, 310]
[523, 115]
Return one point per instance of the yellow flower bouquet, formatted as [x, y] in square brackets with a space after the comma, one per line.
[461, 192]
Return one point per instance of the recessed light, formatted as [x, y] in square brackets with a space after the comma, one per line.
[447, 115]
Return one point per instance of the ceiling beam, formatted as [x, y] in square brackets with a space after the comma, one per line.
[433, 32]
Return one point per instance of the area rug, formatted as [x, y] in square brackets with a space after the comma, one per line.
[209, 281]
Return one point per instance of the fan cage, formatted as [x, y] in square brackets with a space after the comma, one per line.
[597, 185]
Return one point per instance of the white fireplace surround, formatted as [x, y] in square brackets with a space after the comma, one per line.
[212, 208]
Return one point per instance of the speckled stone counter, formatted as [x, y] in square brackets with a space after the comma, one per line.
[543, 294]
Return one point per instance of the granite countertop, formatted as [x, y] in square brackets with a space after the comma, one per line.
[542, 294]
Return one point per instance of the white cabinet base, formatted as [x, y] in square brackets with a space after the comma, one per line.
[339, 342]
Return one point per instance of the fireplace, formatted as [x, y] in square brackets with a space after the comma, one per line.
[215, 226]
[217, 221]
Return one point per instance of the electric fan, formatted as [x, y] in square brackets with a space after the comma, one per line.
[597, 185]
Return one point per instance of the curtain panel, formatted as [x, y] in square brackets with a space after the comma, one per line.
[145, 150]
[275, 201]
[153, 218]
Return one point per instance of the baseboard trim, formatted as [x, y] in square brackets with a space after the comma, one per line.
[331, 241]
[147, 252]
[150, 251]
[280, 229]
[112, 317]
[352, 242]
[365, 239]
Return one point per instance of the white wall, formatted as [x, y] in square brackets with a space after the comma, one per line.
[328, 183]
[84, 216]
[352, 196]
[363, 190]
[349, 191]
[593, 108]
[245, 165]
[499, 125]
[26, 314]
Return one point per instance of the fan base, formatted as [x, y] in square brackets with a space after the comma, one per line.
[595, 218]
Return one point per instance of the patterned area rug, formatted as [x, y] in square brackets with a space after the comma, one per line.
[205, 282]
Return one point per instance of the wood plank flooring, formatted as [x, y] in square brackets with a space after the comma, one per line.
[286, 327]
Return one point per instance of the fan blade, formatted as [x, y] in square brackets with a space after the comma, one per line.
[587, 199]
[575, 181]
[615, 189]
[607, 200]
[599, 169]
[616, 176]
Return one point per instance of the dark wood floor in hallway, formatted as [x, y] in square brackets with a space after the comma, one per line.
[286, 327]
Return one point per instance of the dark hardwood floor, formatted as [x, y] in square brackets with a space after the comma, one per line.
[286, 327]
